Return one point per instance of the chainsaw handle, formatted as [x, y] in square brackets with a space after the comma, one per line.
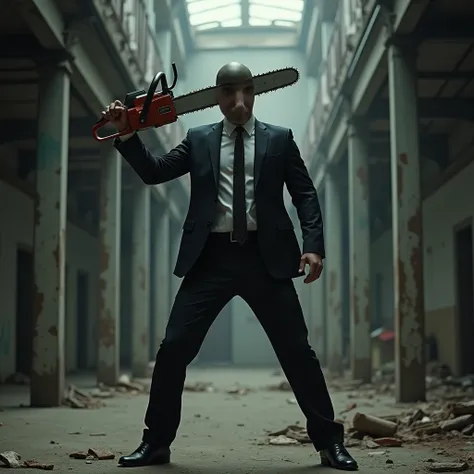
[160, 77]
[101, 123]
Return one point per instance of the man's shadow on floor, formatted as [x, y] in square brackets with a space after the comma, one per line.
[231, 468]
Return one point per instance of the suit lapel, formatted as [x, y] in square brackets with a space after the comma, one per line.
[261, 143]
[215, 136]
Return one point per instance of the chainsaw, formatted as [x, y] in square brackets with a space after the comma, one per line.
[152, 108]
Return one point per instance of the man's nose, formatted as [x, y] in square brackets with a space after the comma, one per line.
[239, 99]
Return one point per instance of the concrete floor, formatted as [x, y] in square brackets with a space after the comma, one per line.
[220, 433]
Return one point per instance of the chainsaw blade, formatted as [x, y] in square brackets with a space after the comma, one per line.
[263, 83]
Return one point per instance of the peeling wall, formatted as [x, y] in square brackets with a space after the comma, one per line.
[16, 228]
[450, 205]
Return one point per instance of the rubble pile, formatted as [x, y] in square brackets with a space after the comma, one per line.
[283, 386]
[93, 454]
[292, 434]
[78, 398]
[126, 385]
[429, 422]
[238, 390]
[199, 387]
[13, 460]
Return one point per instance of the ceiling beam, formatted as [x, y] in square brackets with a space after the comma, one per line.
[445, 29]
[20, 47]
[462, 109]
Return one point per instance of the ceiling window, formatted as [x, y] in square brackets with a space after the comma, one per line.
[210, 14]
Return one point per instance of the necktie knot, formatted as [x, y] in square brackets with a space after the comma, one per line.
[239, 130]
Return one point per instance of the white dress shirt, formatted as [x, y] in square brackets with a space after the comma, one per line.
[224, 218]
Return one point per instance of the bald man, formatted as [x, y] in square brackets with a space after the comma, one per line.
[238, 240]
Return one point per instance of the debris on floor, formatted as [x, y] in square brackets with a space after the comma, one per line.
[448, 466]
[93, 454]
[76, 398]
[199, 387]
[292, 434]
[10, 459]
[32, 464]
[13, 460]
[237, 390]
[126, 385]
[283, 386]
[282, 440]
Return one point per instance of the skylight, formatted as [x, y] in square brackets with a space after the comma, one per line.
[211, 14]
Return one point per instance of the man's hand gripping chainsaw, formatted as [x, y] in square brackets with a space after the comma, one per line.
[152, 108]
[146, 109]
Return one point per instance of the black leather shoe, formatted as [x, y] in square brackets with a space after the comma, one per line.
[337, 457]
[145, 455]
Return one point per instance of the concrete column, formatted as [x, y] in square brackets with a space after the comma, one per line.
[141, 281]
[334, 289]
[48, 365]
[164, 40]
[407, 226]
[359, 251]
[110, 253]
[162, 269]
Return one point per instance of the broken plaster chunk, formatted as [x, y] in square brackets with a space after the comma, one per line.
[468, 431]
[10, 459]
[101, 454]
[78, 455]
[373, 426]
[282, 440]
[466, 408]
[33, 464]
[388, 442]
[448, 467]
[458, 423]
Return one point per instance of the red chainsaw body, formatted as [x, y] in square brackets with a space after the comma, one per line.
[162, 112]
[146, 109]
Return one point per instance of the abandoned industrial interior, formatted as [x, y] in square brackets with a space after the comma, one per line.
[383, 114]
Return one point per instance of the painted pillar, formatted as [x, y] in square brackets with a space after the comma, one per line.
[141, 280]
[48, 364]
[407, 226]
[359, 251]
[334, 289]
[162, 272]
[110, 256]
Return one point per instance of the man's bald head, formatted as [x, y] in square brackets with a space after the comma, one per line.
[232, 73]
[236, 92]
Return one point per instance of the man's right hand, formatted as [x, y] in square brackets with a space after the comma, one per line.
[116, 114]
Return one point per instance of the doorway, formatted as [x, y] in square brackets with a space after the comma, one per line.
[24, 310]
[464, 295]
[217, 346]
[82, 319]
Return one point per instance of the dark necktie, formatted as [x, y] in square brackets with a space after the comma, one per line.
[239, 204]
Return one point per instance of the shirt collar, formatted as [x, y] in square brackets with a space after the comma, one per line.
[248, 126]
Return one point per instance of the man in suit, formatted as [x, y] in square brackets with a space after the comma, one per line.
[237, 240]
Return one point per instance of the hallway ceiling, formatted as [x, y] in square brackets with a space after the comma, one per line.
[256, 22]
